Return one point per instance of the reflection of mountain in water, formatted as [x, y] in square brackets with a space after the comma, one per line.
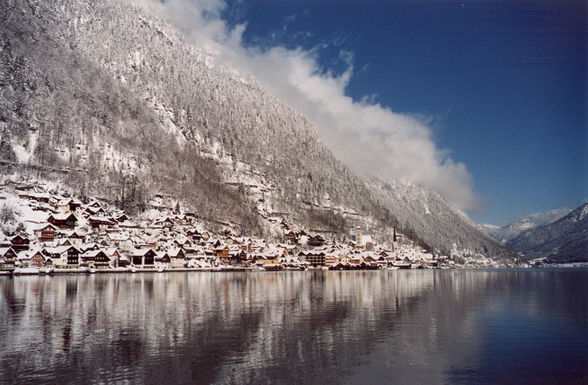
[262, 328]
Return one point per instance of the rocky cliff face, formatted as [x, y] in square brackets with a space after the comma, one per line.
[108, 99]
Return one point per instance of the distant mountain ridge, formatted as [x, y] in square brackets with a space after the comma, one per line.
[108, 99]
[503, 234]
[565, 240]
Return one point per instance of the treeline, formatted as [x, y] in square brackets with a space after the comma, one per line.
[113, 85]
[109, 90]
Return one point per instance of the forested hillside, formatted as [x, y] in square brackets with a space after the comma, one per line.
[107, 98]
[565, 240]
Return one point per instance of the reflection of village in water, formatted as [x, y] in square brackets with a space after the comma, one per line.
[221, 322]
[251, 328]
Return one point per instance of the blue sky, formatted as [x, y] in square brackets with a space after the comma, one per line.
[501, 83]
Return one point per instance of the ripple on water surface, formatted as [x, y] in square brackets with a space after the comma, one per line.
[403, 327]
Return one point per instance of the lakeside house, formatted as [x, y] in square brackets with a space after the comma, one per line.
[65, 233]
[33, 258]
[7, 257]
[143, 257]
[65, 257]
[97, 259]
[177, 258]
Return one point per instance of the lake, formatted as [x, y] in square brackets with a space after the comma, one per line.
[373, 327]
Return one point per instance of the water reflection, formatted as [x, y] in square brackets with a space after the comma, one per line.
[297, 327]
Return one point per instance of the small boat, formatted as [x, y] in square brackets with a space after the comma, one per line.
[402, 265]
[273, 267]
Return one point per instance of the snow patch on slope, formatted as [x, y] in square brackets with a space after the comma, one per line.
[506, 233]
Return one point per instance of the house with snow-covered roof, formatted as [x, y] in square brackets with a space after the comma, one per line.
[165, 222]
[143, 257]
[69, 205]
[32, 258]
[45, 232]
[89, 211]
[34, 196]
[115, 256]
[63, 256]
[118, 239]
[20, 242]
[120, 217]
[177, 257]
[8, 257]
[98, 259]
[75, 236]
[128, 225]
[63, 221]
[94, 204]
[100, 222]
[162, 259]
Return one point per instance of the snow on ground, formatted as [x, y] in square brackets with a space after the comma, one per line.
[24, 213]
[22, 153]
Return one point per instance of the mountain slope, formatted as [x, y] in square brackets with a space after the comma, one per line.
[565, 240]
[428, 215]
[506, 233]
[108, 99]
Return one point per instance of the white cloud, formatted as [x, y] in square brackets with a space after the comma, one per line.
[369, 137]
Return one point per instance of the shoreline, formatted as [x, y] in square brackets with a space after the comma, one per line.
[86, 271]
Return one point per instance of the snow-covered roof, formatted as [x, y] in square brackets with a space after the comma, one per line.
[74, 233]
[59, 249]
[118, 236]
[28, 254]
[127, 224]
[35, 194]
[140, 252]
[97, 218]
[87, 246]
[62, 216]
[110, 250]
[68, 201]
[4, 250]
[44, 226]
[93, 253]
[174, 252]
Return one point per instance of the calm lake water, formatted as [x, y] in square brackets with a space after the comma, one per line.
[376, 327]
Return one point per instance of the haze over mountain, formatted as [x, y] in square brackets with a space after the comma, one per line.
[565, 240]
[370, 138]
[109, 100]
[506, 233]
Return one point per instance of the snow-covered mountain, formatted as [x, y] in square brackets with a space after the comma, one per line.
[506, 233]
[565, 240]
[429, 216]
[106, 98]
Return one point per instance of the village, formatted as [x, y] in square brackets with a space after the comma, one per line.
[61, 234]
